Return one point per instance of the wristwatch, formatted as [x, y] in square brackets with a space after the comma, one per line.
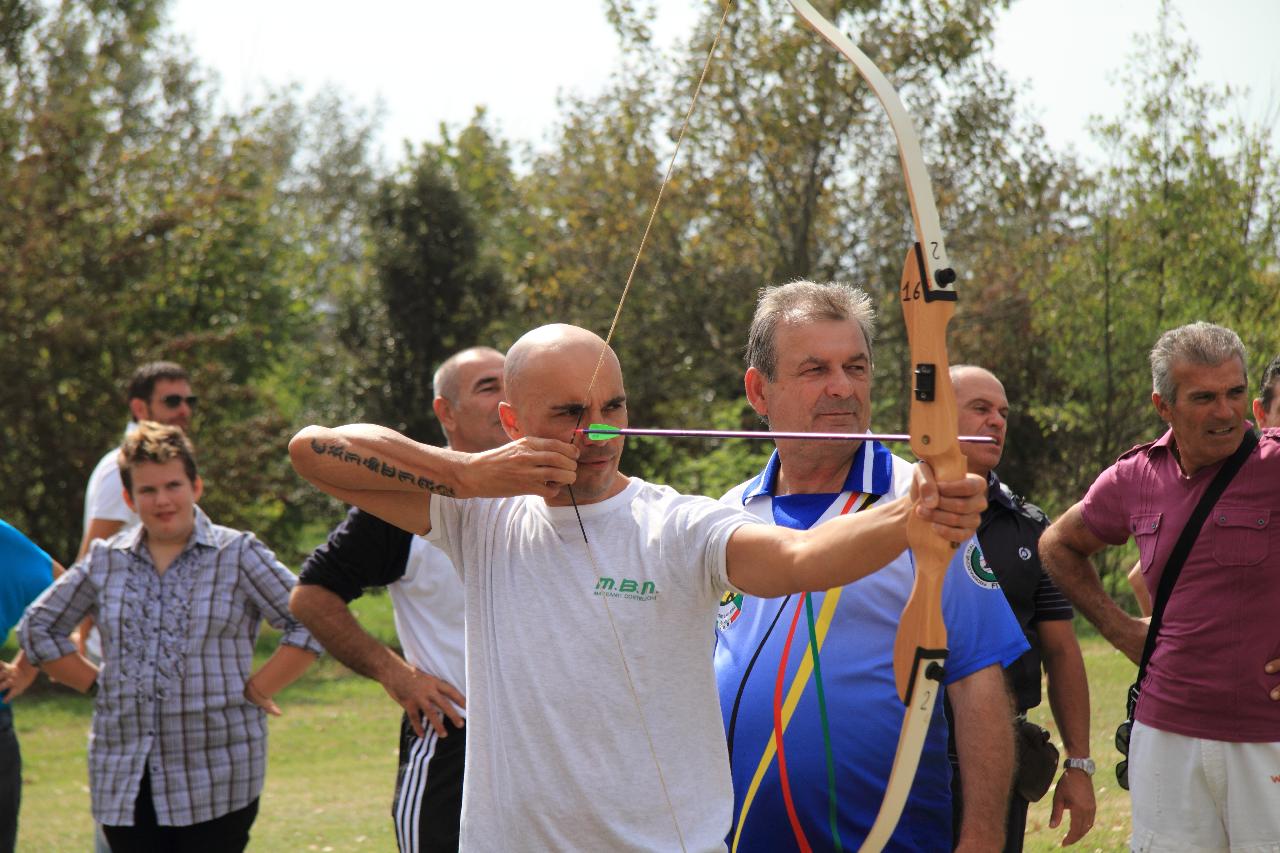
[1085, 764]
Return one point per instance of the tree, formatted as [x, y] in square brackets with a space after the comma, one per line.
[136, 225]
[1180, 226]
[440, 297]
[790, 170]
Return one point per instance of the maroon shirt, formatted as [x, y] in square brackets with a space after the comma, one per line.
[1222, 622]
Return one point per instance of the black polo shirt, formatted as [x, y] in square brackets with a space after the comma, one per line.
[1009, 534]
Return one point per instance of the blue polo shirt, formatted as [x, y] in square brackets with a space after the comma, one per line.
[27, 570]
[855, 627]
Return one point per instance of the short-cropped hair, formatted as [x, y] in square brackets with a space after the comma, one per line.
[1270, 383]
[144, 379]
[803, 302]
[158, 443]
[1203, 344]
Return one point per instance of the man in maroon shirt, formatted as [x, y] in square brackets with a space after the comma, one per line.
[1204, 758]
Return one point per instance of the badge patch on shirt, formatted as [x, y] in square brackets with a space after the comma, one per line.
[730, 610]
[1024, 552]
[976, 565]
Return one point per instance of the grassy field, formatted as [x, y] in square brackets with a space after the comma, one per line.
[333, 760]
[330, 777]
[1110, 674]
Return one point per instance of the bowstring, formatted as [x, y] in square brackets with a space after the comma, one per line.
[657, 201]
[617, 314]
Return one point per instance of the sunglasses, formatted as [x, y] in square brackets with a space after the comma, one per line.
[1123, 733]
[1122, 744]
[173, 401]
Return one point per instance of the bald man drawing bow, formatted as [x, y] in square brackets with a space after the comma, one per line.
[572, 744]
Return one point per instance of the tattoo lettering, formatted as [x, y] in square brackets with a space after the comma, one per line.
[379, 467]
[434, 488]
[334, 450]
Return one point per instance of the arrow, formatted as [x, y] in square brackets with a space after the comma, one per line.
[604, 432]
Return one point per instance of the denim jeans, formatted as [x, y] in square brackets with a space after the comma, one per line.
[10, 781]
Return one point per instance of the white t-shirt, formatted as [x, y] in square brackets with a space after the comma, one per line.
[557, 758]
[104, 496]
[428, 605]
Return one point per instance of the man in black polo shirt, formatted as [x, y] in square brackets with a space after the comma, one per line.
[1008, 534]
[427, 600]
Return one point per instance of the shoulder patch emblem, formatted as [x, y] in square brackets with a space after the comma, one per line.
[975, 564]
[730, 610]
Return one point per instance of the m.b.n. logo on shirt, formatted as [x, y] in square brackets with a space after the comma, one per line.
[627, 588]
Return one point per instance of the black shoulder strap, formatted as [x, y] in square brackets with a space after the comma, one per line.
[1183, 547]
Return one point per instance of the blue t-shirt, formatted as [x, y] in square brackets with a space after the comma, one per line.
[855, 627]
[25, 571]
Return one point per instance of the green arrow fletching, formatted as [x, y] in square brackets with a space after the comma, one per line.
[601, 432]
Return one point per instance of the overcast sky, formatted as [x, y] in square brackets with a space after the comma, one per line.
[431, 61]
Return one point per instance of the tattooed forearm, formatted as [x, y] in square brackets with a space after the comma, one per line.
[379, 466]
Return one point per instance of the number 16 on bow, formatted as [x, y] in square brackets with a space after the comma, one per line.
[928, 298]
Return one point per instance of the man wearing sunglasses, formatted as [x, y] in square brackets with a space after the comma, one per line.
[159, 391]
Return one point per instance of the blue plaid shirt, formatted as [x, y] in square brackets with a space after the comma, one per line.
[177, 649]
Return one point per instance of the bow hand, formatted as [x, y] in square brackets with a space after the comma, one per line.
[953, 507]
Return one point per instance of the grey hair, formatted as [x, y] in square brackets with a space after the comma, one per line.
[804, 301]
[445, 380]
[1195, 343]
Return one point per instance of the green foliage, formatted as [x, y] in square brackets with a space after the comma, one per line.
[301, 280]
[440, 296]
[136, 225]
[1180, 226]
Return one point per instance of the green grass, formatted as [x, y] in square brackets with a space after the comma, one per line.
[331, 769]
[1110, 674]
[329, 783]
[333, 760]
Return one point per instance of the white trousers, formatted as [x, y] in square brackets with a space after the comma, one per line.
[1192, 795]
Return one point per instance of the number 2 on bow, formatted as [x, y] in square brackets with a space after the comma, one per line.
[928, 303]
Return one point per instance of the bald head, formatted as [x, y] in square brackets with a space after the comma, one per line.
[556, 353]
[446, 381]
[983, 409]
[468, 389]
[549, 373]
[963, 372]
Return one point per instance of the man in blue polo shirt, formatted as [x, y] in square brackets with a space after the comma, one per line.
[820, 783]
[26, 572]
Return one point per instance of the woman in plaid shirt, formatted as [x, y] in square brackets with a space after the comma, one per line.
[177, 752]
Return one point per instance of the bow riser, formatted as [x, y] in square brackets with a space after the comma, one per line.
[933, 418]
